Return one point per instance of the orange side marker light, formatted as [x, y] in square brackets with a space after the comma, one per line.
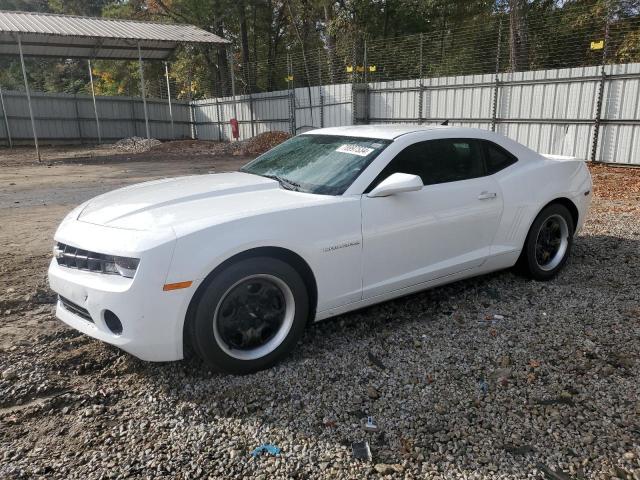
[176, 286]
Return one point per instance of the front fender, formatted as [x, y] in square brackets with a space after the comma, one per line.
[327, 237]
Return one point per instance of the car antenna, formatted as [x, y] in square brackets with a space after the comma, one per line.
[445, 123]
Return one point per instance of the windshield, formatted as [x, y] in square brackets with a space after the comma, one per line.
[323, 164]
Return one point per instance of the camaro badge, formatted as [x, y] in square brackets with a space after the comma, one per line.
[342, 245]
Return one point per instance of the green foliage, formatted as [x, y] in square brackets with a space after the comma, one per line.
[317, 41]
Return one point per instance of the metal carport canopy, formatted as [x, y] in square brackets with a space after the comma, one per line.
[33, 34]
[67, 36]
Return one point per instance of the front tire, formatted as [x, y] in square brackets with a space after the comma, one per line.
[548, 243]
[250, 315]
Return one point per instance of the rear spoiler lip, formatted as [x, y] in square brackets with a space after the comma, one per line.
[561, 158]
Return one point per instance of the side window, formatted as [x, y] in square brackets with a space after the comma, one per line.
[497, 158]
[451, 160]
[410, 160]
[438, 161]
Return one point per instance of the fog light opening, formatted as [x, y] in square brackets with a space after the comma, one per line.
[113, 322]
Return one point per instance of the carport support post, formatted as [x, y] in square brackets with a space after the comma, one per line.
[95, 107]
[26, 88]
[6, 119]
[420, 84]
[233, 86]
[144, 94]
[166, 74]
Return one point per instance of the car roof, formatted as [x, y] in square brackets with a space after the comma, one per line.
[388, 131]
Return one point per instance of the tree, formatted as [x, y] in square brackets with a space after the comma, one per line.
[518, 39]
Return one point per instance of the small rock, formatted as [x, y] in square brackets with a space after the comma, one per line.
[501, 373]
[629, 455]
[387, 469]
[588, 439]
[440, 408]
[589, 345]
[504, 361]
[9, 374]
[372, 393]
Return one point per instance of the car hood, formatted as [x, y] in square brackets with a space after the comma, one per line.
[170, 202]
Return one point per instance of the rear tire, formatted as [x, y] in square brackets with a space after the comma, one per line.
[250, 315]
[548, 243]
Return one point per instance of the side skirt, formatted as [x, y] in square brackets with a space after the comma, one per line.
[499, 262]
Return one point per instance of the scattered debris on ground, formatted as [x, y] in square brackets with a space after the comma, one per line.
[361, 451]
[496, 377]
[136, 144]
[266, 449]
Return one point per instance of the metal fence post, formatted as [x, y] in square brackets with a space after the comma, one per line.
[192, 126]
[6, 119]
[233, 87]
[26, 87]
[192, 120]
[144, 95]
[366, 84]
[290, 86]
[496, 86]
[134, 123]
[166, 74]
[95, 106]
[253, 125]
[320, 90]
[78, 122]
[603, 78]
[420, 84]
[219, 117]
[354, 100]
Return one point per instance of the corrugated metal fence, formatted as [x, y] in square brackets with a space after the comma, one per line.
[293, 110]
[551, 111]
[63, 118]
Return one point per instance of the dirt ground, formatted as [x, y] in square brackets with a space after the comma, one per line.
[70, 390]
[34, 197]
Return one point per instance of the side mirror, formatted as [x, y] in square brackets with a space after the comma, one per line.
[397, 183]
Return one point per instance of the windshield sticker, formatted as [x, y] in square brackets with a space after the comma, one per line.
[377, 145]
[355, 150]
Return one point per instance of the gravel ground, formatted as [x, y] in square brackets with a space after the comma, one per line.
[491, 378]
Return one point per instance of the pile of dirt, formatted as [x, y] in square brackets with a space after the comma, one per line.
[252, 146]
[264, 142]
[136, 144]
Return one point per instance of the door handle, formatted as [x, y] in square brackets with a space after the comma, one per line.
[487, 195]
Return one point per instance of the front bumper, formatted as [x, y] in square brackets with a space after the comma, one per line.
[152, 319]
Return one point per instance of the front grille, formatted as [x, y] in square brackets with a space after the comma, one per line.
[75, 309]
[73, 257]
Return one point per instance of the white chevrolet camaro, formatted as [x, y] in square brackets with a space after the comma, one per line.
[235, 265]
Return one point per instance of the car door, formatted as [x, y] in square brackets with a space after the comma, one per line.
[446, 227]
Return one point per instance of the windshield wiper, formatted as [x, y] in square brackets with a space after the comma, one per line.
[284, 183]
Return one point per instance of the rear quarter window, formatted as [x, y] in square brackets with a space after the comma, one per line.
[497, 158]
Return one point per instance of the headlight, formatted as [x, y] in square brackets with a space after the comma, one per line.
[126, 266]
[95, 262]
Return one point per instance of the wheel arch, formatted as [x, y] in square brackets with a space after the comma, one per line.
[280, 253]
[565, 202]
